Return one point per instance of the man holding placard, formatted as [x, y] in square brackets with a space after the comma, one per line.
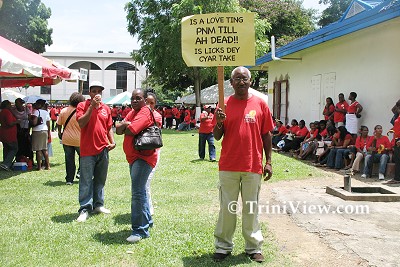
[246, 126]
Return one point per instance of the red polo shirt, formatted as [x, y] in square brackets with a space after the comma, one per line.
[94, 136]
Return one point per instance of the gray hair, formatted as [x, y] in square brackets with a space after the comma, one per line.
[241, 68]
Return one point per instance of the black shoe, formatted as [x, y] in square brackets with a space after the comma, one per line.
[257, 257]
[220, 256]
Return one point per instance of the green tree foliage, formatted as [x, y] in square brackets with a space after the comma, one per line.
[25, 23]
[333, 12]
[157, 24]
[289, 20]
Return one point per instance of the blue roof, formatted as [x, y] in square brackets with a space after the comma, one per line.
[359, 15]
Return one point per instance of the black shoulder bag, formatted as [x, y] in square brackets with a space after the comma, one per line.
[150, 138]
[66, 123]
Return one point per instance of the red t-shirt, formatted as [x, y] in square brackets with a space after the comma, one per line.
[114, 112]
[207, 125]
[302, 132]
[339, 141]
[242, 146]
[330, 111]
[282, 130]
[187, 118]
[324, 132]
[8, 133]
[382, 141]
[53, 114]
[352, 107]
[94, 136]
[339, 116]
[175, 112]
[294, 129]
[312, 133]
[168, 113]
[362, 142]
[140, 120]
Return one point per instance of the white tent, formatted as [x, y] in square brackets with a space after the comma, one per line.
[120, 99]
[10, 95]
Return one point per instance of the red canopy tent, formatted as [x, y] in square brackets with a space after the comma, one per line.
[22, 67]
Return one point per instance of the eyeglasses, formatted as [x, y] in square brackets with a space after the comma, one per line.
[237, 79]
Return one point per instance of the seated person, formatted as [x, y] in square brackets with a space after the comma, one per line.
[339, 146]
[281, 132]
[294, 126]
[323, 129]
[185, 125]
[377, 148]
[359, 150]
[309, 143]
[331, 131]
[298, 137]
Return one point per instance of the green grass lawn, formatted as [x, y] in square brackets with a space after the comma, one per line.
[38, 212]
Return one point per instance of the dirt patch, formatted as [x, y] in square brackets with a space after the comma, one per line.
[303, 246]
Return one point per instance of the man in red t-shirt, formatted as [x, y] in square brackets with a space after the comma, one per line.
[114, 114]
[206, 134]
[340, 111]
[97, 138]
[246, 126]
[53, 116]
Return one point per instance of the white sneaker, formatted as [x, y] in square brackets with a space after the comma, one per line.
[363, 176]
[133, 239]
[381, 176]
[83, 216]
[101, 210]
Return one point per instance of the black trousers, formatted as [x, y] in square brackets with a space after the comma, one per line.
[396, 159]
[24, 143]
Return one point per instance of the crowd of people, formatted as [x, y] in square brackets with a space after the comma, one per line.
[85, 128]
[338, 142]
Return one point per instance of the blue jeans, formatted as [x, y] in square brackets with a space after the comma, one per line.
[341, 153]
[381, 158]
[184, 126]
[331, 158]
[70, 167]
[9, 152]
[203, 137]
[140, 212]
[93, 178]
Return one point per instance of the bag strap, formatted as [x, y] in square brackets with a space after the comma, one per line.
[154, 119]
[70, 116]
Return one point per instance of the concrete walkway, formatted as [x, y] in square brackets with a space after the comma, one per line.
[368, 230]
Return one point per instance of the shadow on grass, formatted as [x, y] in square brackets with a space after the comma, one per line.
[201, 160]
[65, 218]
[207, 260]
[54, 183]
[6, 175]
[123, 219]
[109, 238]
[174, 132]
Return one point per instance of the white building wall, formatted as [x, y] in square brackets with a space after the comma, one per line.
[366, 62]
[63, 90]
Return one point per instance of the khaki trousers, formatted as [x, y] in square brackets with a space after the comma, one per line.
[230, 184]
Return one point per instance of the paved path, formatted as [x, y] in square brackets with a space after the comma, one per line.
[368, 239]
